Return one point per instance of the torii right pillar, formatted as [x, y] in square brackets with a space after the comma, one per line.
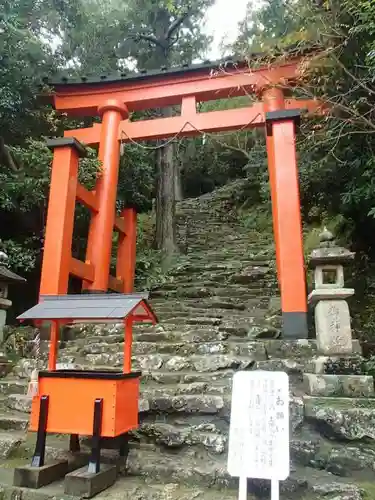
[286, 212]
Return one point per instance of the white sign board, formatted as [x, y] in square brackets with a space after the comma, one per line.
[259, 426]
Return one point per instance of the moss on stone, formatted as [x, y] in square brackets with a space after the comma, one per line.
[368, 490]
[341, 403]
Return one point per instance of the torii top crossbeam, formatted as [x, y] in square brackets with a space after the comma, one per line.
[183, 86]
[114, 97]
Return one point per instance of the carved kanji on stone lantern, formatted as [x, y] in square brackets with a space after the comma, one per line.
[332, 316]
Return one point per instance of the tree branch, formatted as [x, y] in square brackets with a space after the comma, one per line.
[349, 73]
[235, 148]
[175, 40]
[147, 38]
[9, 160]
[176, 24]
[151, 39]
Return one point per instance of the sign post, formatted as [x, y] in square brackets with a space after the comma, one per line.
[259, 429]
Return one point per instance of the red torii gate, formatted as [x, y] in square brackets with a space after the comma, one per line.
[113, 98]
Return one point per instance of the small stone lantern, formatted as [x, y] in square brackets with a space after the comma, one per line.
[332, 316]
[7, 277]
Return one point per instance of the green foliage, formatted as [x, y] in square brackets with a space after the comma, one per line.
[24, 59]
[23, 201]
[258, 218]
[149, 270]
[103, 37]
[17, 342]
[369, 366]
[136, 184]
[336, 157]
[163, 32]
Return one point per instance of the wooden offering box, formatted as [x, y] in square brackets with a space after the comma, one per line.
[101, 404]
[71, 398]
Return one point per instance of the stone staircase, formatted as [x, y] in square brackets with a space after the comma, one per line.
[218, 313]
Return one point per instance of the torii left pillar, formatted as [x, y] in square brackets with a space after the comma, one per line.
[99, 243]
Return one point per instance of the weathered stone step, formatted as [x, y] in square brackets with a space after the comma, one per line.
[166, 336]
[139, 488]
[210, 266]
[241, 328]
[84, 331]
[227, 256]
[182, 311]
[204, 470]
[229, 278]
[13, 421]
[204, 292]
[126, 488]
[204, 435]
[256, 349]
[159, 376]
[228, 303]
[131, 489]
[156, 402]
[194, 226]
[280, 348]
[208, 239]
[200, 243]
[217, 304]
[245, 250]
[297, 366]
[10, 443]
[10, 386]
[150, 401]
[187, 377]
[251, 348]
[209, 293]
[169, 313]
[151, 362]
[164, 333]
[342, 459]
[339, 385]
[347, 419]
[203, 242]
[193, 320]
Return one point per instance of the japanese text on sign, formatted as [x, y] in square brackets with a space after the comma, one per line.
[259, 427]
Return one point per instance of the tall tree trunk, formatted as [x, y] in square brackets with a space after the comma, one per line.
[165, 237]
[168, 179]
[177, 180]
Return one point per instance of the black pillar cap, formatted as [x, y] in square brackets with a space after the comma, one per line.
[61, 142]
[282, 115]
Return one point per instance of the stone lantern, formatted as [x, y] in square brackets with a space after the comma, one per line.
[332, 316]
[7, 277]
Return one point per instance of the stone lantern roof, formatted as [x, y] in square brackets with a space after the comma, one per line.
[328, 252]
[7, 276]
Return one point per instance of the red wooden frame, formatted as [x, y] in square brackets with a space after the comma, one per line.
[113, 101]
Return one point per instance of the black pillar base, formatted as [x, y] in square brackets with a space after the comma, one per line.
[40, 446]
[295, 325]
[74, 445]
[124, 446]
[94, 462]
